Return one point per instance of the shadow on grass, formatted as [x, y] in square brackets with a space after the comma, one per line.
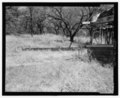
[52, 49]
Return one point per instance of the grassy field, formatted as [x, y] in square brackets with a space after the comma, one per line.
[57, 71]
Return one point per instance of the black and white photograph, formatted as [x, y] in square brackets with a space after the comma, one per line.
[60, 48]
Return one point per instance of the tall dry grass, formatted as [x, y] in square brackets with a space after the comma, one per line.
[58, 71]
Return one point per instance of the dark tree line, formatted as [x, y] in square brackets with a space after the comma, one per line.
[67, 21]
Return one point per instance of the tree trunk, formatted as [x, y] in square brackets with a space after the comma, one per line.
[71, 41]
[71, 38]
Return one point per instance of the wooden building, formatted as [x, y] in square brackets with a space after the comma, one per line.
[102, 38]
[103, 28]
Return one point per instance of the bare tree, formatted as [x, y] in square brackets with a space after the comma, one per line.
[31, 20]
[40, 17]
[71, 19]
